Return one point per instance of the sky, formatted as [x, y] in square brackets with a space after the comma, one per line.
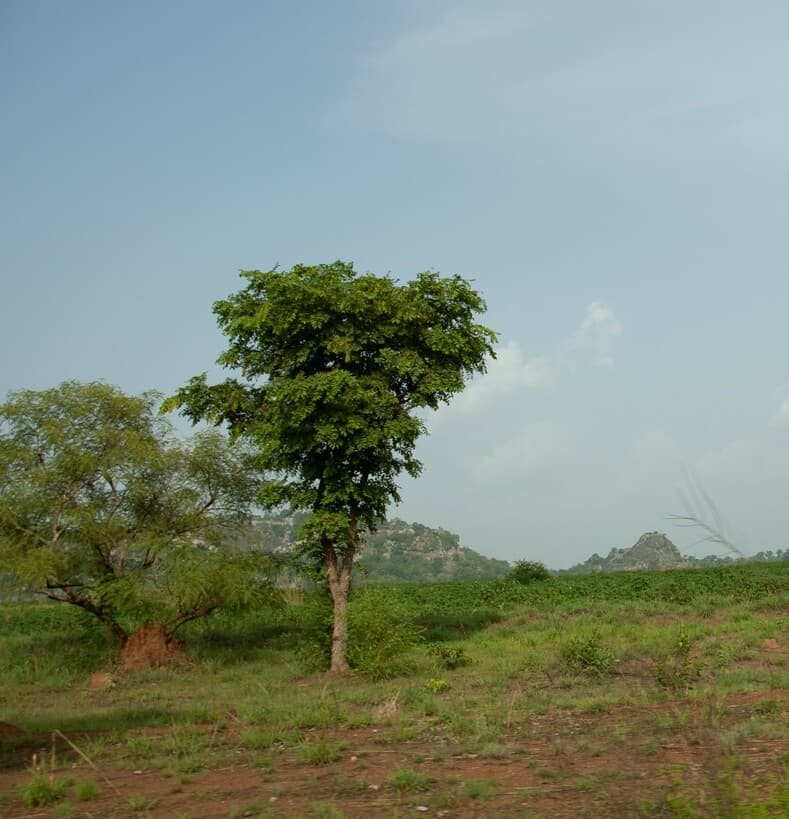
[611, 175]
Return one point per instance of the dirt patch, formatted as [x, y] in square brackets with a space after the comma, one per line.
[102, 681]
[151, 647]
[8, 731]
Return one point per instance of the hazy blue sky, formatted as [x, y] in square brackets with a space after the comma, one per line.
[612, 175]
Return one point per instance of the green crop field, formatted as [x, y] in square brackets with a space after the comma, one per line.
[632, 694]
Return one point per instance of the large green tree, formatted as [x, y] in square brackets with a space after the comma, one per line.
[102, 507]
[334, 368]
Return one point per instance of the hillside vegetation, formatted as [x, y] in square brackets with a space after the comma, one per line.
[396, 552]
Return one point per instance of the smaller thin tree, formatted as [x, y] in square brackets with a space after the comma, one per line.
[334, 369]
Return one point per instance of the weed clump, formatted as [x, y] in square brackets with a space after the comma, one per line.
[42, 791]
[679, 670]
[44, 788]
[450, 657]
[404, 779]
[587, 655]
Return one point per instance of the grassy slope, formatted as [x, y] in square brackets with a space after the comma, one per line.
[658, 694]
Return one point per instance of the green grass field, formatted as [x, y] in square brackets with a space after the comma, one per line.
[635, 694]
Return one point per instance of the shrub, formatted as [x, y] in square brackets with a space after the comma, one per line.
[588, 655]
[321, 752]
[43, 790]
[379, 636]
[404, 779]
[527, 571]
[679, 670]
[450, 657]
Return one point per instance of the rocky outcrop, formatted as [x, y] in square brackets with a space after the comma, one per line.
[398, 551]
[653, 550]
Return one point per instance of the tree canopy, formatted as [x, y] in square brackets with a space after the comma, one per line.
[101, 506]
[333, 368]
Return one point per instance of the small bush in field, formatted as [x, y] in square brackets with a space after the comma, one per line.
[437, 685]
[379, 636]
[404, 779]
[588, 655]
[43, 790]
[321, 752]
[527, 571]
[450, 656]
[679, 670]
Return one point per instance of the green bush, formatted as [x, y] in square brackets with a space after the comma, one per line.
[43, 790]
[450, 657]
[679, 670]
[527, 571]
[312, 637]
[379, 635]
[587, 655]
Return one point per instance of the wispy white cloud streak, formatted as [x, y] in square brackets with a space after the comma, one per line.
[468, 72]
[595, 337]
[782, 415]
[512, 371]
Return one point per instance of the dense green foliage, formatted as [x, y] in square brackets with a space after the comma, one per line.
[527, 571]
[742, 582]
[103, 508]
[333, 368]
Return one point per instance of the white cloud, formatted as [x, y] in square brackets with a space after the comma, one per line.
[596, 335]
[501, 72]
[537, 448]
[782, 416]
[507, 373]
[456, 35]
[511, 371]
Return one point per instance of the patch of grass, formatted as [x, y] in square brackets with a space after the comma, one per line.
[43, 790]
[139, 747]
[65, 810]
[139, 803]
[680, 670]
[768, 707]
[85, 791]
[325, 810]
[321, 752]
[480, 790]
[187, 746]
[405, 779]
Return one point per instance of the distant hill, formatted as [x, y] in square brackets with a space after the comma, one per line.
[653, 550]
[397, 552]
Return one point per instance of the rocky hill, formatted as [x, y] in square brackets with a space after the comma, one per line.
[654, 550]
[397, 552]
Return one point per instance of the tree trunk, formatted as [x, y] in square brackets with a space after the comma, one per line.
[339, 578]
